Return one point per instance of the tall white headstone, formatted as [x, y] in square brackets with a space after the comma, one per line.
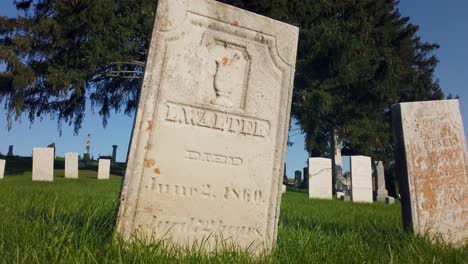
[380, 189]
[361, 179]
[71, 165]
[433, 168]
[2, 168]
[104, 169]
[320, 178]
[207, 151]
[43, 164]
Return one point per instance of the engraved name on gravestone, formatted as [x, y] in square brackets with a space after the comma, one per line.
[361, 179]
[43, 164]
[208, 148]
[433, 168]
[71, 165]
[2, 168]
[320, 178]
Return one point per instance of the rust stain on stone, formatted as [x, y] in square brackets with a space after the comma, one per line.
[150, 126]
[148, 146]
[157, 171]
[236, 23]
[149, 163]
[225, 61]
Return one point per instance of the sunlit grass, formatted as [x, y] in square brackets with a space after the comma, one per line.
[73, 221]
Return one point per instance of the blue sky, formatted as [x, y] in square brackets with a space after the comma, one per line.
[444, 22]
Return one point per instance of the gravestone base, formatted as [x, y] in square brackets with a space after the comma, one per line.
[346, 198]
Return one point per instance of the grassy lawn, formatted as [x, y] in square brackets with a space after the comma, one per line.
[72, 221]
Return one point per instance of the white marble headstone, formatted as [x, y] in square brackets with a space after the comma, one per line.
[71, 165]
[2, 168]
[43, 164]
[320, 178]
[104, 169]
[361, 179]
[208, 149]
[433, 168]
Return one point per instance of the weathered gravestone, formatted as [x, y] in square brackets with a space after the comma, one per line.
[380, 189]
[104, 169]
[433, 168]
[71, 165]
[320, 178]
[208, 148]
[305, 173]
[43, 164]
[2, 168]
[361, 179]
[283, 188]
[297, 179]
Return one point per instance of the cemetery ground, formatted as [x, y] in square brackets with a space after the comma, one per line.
[73, 221]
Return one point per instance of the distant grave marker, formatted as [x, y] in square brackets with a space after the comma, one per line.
[361, 179]
[320, 178]
[433, 168]
[104, 169]
[2, 168]
[208, 149]
[43, 164]
[71, 165]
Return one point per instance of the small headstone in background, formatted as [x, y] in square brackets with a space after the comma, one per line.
[71, 165]
[2, 168]
[389, 200]
[361, 179]
[432, 161]
[380, 189]
[297, 179]
[346, 198]
[339, 195]
[283, 188]
[43, 164]
[320, 178]
[104, 169]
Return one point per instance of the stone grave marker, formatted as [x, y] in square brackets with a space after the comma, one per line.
[283, 188]
[380, 189]
[361, 179]
[320, 178]
[297, 179]
[2, 168]
[433, 168]
[10, 151]
[43, 164]
[208, 147]
[104, 169]
[71, 165]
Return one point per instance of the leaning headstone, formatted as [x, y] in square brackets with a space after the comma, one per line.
[320, 178]
[43, 164]
[71, 165]
[433, 168]
[361, 179]
[2, 168]
[217, 82]
[380, 189]
[297, 179]
[104, 169]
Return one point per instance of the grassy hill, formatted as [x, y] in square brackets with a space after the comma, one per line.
[73, 221]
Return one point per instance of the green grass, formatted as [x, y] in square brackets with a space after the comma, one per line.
[73, 221]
